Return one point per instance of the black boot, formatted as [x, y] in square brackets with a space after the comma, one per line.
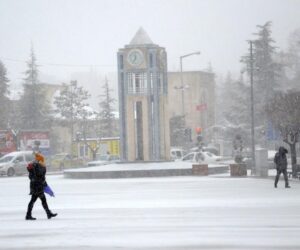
[29, 210]
[29, 217]
[45, 206]
[276, 180]
[50, 214]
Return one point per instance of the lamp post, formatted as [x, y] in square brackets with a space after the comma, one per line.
[181, 80]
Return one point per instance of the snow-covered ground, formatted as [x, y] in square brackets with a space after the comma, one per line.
[153, 213]
[135, 166]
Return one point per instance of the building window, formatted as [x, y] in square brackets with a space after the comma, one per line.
[121, 62]
[151, 82]
[151, 60]
[83, 150]
[137, 83]
[203, 109]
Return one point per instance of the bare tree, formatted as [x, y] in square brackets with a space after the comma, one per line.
[72, 104]
[106, 115]
[283, 111]
[85, 122]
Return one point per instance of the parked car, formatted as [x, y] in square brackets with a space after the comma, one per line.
[104, 160]
[176, 153]
[211, 149]
[204, 157]
[64, 160]
[15, 163]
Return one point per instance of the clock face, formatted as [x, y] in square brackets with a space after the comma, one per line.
[135, 57]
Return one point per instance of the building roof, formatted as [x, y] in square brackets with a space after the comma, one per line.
[141, 38]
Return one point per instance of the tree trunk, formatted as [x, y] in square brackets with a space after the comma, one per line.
[293, 158]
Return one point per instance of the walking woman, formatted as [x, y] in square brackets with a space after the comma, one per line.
[37, 172]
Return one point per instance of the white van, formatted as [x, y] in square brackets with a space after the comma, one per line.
[15, 163]
[177, 153]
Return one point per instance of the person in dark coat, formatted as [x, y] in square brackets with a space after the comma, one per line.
[281, 166]
[37, 172]
[30, 176]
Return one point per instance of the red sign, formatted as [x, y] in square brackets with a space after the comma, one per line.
[28, 139]
[7, 143]
[201, 107]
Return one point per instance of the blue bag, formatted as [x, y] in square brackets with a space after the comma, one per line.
[49, 191]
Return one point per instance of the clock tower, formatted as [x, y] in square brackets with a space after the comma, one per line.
[143, 92]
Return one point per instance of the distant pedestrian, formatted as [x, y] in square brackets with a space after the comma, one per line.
[37, 172]
[281, 166]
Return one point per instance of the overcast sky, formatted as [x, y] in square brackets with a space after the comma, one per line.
[90, 32]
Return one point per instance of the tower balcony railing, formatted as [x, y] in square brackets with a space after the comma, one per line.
[137, 91]
[142, 91]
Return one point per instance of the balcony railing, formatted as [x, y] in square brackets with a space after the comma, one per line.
[137, 91]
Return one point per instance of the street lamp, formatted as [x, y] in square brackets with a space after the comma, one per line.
[181, 80]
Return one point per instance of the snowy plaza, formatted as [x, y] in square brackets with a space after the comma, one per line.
[213, 212]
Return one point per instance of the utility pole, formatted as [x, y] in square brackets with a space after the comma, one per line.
[182, 88]
[253, 170]
[72, 86]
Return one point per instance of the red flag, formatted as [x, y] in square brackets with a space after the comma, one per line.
[201, 107]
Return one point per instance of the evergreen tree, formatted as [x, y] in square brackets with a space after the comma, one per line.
[71, 104]
[106, 115]
[235, 102]
[292, 61]
[4, 100]
[233, 108]
[177, 129]
[266, 70]
[34, 109]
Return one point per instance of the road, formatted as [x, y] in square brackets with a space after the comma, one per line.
[153, 213]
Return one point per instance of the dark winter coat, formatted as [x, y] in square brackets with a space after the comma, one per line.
[280, 159]
[37, 177]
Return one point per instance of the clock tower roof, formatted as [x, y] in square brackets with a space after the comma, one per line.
[141, 38]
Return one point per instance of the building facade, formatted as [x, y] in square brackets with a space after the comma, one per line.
[143, 100]
[195, 99]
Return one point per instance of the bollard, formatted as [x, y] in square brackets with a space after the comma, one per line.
[238, 169]
[200, 169]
